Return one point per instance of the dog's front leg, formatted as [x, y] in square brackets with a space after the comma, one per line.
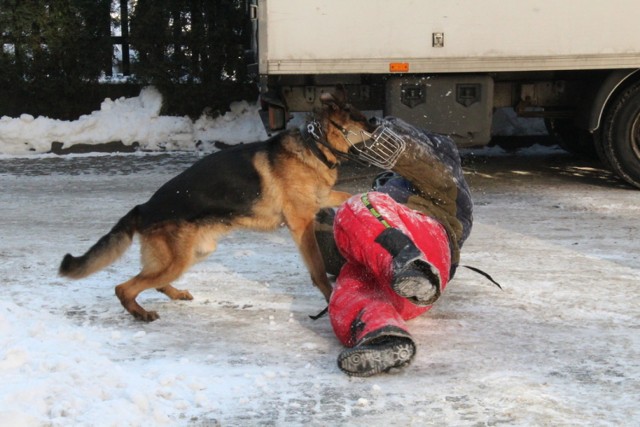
[336, 198]
[303, 233]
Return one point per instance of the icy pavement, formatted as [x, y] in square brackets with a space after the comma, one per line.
[560, 345]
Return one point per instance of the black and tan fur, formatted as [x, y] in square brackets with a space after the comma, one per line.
[257, 186]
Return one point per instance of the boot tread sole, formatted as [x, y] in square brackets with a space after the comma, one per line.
[368, 360]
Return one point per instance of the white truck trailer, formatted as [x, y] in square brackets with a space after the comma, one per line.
[447, 65]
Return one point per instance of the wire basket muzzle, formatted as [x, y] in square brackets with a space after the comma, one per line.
[380, 148]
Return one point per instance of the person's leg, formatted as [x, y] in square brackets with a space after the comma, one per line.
[367, 323]
[371, 298]
[401, 247]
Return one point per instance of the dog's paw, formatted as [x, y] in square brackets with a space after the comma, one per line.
[184, 295]
[151, 316]
[176, 294]
[146, 316]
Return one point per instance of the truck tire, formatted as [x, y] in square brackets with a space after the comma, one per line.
[621, 135]
[598, 143]
[571, 138]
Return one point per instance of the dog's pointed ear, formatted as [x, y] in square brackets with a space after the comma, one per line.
[341, 94]
[330, 100]
[336, 99]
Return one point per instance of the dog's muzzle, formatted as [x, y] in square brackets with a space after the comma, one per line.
[380, 148]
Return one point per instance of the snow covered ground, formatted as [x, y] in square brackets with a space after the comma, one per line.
[560, 345]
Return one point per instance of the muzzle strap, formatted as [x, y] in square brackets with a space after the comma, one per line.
[314, 130]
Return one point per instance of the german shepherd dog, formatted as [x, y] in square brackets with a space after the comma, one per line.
[286, 179]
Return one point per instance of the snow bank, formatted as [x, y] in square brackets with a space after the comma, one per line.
[131, 120]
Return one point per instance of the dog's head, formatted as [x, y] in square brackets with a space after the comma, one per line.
[343, 125]
[349, 132]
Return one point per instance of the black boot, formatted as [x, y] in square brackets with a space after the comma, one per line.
[417, 282]
[333, 259]
[387, 350]
[413, 277]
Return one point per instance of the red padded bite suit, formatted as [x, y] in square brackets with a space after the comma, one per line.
[363, 301]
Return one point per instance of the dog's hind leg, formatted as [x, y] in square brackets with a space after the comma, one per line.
[175, 294]
[204, 244]
[165, 256]
[127, 293]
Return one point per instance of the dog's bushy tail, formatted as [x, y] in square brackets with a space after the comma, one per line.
[109, 248]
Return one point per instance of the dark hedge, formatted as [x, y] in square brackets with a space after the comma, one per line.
[54, 53]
